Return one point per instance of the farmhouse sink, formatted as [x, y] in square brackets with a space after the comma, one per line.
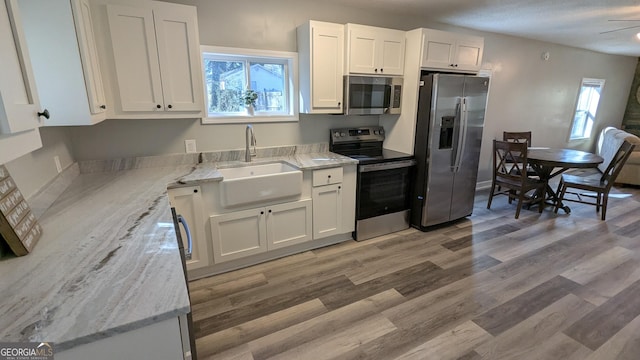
[259, 183]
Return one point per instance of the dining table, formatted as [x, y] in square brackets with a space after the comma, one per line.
[551, 162]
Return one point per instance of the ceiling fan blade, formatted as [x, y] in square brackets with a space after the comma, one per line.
[621, 29]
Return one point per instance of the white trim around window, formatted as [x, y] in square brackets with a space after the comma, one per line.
[287, 109]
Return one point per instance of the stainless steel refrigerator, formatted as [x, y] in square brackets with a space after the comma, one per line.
[449, 126]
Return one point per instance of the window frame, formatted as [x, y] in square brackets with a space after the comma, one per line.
[289, 59]
[592, 82]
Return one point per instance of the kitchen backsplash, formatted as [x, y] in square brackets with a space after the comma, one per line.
[98, 166]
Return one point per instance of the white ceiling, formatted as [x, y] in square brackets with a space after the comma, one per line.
[576, 23]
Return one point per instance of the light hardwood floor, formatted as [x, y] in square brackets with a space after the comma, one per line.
[545, 286]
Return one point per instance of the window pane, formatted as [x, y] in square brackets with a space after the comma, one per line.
[225, 81]
[586, 107]
[268, 80]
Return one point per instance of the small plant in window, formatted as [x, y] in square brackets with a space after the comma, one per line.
[249, 97]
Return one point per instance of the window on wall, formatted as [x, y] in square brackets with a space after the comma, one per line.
[586, 108]
[229, 73]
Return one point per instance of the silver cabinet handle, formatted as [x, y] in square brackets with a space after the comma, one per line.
[184, 223]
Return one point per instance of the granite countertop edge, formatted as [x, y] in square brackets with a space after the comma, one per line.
[87, 339]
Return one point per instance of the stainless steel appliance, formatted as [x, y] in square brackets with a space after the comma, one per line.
[372, 95]
[383, 181]
[449, 126]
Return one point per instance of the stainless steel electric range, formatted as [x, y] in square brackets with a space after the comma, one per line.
[384, 180]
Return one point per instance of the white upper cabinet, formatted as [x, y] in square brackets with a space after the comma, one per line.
[19, 106]
[66, 68]
[136, 58]
[373, 50]
[451, 51]
[320, 51]
[89, 55]
[157, 61]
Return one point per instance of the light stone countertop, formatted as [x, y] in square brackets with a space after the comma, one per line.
[108, 260]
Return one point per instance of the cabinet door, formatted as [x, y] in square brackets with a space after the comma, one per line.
[438, 49]
[468, 53]
[363, 51]
[136, 58]
[188, 203]
[392, 52]
[327, 210]
[19, 98]
[288, 224]
[89, 55]
[327, 58]
[238, 234]
[55, 34]
[179, 56]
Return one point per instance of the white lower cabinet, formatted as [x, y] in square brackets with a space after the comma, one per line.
[327, 210]
[333, 193]
[288, 224]
[243, 233]
[240, 236]
[160, 340]
[189, 208]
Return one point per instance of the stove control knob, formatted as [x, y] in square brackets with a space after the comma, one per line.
[375, 132]
[336, 134]
[381, 131]
[343, 134]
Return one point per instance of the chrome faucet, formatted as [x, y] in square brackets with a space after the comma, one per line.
[250, 140]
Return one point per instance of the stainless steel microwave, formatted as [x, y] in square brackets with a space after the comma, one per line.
[372, 95]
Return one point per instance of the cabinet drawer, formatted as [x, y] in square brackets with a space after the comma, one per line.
[327, 176]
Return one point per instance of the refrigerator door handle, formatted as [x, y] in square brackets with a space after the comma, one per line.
[463, 133]
[460, 127]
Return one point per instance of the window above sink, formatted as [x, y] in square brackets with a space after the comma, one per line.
[230, 72]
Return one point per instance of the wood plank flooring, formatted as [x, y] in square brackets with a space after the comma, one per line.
[546, 286]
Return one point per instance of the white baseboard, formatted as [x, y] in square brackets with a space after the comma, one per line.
[481, 185]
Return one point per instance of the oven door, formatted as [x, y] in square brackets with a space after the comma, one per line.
[383, 188]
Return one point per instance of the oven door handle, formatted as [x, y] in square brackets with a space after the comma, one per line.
[386, 166]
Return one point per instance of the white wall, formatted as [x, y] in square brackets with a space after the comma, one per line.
[34, 170]
[528, 93]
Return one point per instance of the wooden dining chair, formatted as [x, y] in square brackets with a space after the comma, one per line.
[519, 137]
[510, 179]
[523, 136]
[599, 185]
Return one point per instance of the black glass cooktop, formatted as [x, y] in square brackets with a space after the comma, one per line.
[371, 156]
